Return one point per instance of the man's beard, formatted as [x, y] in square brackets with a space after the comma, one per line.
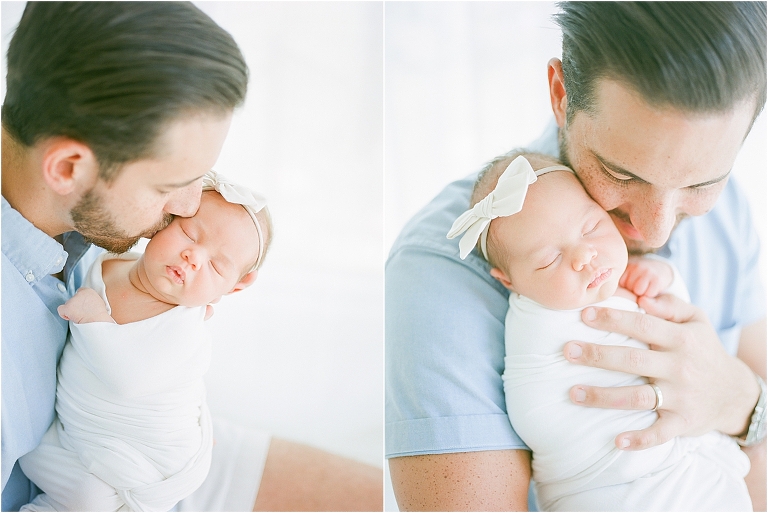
[96, 225]
[634, 247]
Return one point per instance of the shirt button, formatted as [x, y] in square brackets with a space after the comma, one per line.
[61, 287]
[30, 277]
[60, 260]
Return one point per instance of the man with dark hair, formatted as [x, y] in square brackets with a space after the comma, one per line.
[652, 102]
[113, 113]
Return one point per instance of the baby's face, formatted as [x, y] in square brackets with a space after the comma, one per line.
[196, 260]
[562, 250]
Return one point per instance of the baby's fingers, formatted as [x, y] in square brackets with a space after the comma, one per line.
[654, 289]
[63, 312]
[640, 287]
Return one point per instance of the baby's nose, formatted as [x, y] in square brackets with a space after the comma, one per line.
[583, 255]
[192, 258]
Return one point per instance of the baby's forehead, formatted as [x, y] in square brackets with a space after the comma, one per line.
[553, 205]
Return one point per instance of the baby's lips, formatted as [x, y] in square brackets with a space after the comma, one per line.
[177, 273]
[600, 276]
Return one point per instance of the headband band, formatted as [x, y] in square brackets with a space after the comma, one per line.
[504, 200]
[252, 202]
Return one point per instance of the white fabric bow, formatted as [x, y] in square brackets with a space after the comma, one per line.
[504, 200]
[239, 195]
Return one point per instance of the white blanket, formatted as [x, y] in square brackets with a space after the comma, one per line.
[576, 465]
[133, 431]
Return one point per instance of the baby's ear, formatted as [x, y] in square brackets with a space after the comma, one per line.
[502, 277]
[247, 281]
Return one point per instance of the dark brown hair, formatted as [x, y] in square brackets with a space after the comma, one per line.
[113, 74]
[693, 56]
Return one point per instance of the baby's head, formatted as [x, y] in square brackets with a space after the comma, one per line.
[196, 260]
[562, 249]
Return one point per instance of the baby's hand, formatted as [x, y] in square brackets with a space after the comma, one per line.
[646, 276]
[85, 306]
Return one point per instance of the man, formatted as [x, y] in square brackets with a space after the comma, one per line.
[652, 102]
[112, 115]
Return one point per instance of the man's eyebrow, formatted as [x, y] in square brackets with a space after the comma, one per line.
[621, 171]
[182, 184]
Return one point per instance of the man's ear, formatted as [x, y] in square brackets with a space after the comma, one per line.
[68, 165]
[557, 94]
[247, 281]
[502, 277]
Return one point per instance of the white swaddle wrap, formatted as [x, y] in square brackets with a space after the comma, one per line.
[131, 405]
[576, 465]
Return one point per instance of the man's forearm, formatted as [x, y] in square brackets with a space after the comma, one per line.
[752, 351]
[465, 481]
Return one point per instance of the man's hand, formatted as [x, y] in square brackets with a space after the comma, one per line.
[704, 388]
[646, 277]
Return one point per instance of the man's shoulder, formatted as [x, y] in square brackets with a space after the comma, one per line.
[423, 250]
[428, 228]
[729, 221]
[718, 256]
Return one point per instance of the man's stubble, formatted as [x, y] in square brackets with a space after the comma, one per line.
[97, 226]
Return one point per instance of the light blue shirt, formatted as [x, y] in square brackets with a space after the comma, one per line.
[444, 317]
[33, 337]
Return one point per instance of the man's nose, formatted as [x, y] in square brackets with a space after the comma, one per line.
[185, 201]
[654, 216]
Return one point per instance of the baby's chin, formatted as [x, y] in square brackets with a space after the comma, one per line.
[608, 290]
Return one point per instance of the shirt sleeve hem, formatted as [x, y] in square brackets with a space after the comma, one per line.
[443, 435]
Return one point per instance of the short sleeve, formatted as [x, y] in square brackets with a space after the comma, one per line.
[750, 290]
[444, 341]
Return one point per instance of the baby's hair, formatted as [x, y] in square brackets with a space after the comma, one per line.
[484, 185]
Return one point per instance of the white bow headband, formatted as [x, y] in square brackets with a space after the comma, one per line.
[239, 195]
[504, 200]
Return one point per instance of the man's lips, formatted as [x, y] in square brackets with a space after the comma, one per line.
[600, 277]
[176, 273]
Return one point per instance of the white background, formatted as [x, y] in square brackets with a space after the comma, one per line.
[300, 353]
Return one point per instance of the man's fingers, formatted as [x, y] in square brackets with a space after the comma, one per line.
[663, 430]
[640, 397]
[646, 328]
[631, 360]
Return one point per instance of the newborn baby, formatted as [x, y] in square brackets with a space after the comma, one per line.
[133, 431]
[558, 251]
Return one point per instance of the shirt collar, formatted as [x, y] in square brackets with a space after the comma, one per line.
[28, 248]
